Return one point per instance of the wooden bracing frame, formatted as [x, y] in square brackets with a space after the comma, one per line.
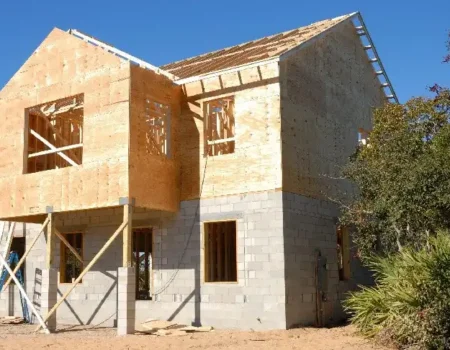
[55, 134]
[124, 228]
[219, 126]
[22, 259]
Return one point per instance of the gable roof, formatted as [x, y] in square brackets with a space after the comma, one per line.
[254, 53]
[249, 52]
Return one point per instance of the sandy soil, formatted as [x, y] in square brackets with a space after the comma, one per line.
[23, 337]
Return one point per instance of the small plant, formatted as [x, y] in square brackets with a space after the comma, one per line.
[410, 305]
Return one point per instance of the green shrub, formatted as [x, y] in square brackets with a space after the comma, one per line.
[410, 305]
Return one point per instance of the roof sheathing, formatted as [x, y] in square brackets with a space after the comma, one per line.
[259, 50]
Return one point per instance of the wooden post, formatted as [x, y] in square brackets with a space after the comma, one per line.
[85, 271]
[22, 259]
[127, 235]
[50, 232]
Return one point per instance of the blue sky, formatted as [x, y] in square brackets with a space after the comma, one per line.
[410, 35]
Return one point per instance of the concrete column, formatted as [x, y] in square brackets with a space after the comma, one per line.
[126, 304]
[49, 295]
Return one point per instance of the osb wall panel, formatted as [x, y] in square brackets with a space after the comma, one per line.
[154, 179]
[256, 163]
[328, 91]
[63, 66]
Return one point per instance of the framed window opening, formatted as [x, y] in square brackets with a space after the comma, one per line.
[70, 266]
[220, 247]
[219, 133]
[343, 252]
[143, 262]
[54, 134]
[156, 133]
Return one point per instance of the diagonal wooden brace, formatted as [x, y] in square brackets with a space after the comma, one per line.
[49, 145]
[24, 295]
[85, 271]
[22, 259]
[68, 245]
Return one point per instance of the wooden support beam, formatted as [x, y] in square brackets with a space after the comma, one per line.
[49, 145]
[85, 271]
[22, 259]
[50, 231]
[61, 138]
[68, 245]
[24, 295]
[9, 238]
[60, 149]
[127, 235]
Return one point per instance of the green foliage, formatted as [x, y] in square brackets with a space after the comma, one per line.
[402, 176]
[410, 305]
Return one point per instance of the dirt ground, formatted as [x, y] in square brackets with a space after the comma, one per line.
[23, 337]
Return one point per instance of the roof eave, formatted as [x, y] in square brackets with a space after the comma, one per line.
[226, 71]
[120, 53]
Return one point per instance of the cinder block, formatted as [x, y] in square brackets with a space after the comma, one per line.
[49, 295]
[126, 301]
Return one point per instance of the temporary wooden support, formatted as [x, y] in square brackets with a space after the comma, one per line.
[87, 269]
[9, 238]
[61, 138]
[50, 231]
[2, 227]
[24, 295]
[68, 245]
[127, 235]
[49, 145]
[215, 142]
[22, 259]
[60, 149]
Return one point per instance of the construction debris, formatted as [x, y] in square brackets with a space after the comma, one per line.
[168, 328]
[11, 320]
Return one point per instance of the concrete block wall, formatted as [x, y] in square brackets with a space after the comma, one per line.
[256, 301]
[309, 227]
[278, 234]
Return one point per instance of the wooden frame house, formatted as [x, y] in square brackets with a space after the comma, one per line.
[211, 169]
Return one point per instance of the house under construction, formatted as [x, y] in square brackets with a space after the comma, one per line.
[198, 191]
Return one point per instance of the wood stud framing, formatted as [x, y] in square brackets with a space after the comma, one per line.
[156, 129]
[219, 126]
[55, 134]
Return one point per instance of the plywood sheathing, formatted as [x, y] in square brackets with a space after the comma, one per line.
[253, 51]
[328, 90]
[63, 66]
[256, 163]
[154, 178]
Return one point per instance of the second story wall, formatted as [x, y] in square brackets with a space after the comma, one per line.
[252, 162]
[62, 67]
[328, 92]
[154, 159]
